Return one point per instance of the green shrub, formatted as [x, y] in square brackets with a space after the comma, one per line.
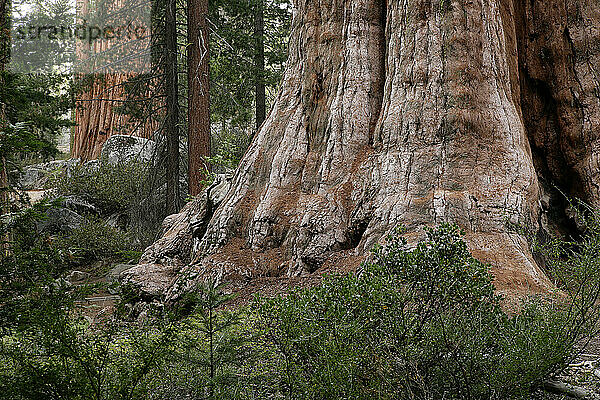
[415, 324]
[229, 145]
[30, 265]
[49, 349]
[211, 348]
[96, 240]
[130, 189]
[112, 188]
[62, 356]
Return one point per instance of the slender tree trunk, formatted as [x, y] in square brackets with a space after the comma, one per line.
[172, 107]
[259, 63]
[198, 94]
[413, 113]
[4, 57]
[4, 35]
[4, 48]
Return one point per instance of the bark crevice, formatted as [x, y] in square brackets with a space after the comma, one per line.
[553, 98]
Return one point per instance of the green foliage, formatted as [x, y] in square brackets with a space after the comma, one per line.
[207, 360]
[418, 322]
[49, 349]
[232, 66]
[229, 146]
[573, 265]
[111, 188]
[124, 191]
[29, 269]
[95, 240]
[62, 357]
[415, 324]
[36, 110]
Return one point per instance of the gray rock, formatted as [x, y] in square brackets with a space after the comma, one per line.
[115, 273]
[77, 276]
[118, 220]
[35, 177]
[61, 165]
[91, 166]
[60, 220]
[120, 149]
[79, 205]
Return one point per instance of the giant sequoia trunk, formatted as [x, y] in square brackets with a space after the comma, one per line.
[97, 115]
[416, 113]
[96, 118]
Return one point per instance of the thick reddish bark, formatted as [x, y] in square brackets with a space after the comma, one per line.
[199, 94]
[259, 63]
[95, 114]
[416, 113]
[97, 120]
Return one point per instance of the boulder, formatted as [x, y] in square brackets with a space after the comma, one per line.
[35, 177]
[32, 178]
[79, 205]
[77, 276]
[118, 220]
[120, 149]
[60, 220]
[91, 167]
[115, 273]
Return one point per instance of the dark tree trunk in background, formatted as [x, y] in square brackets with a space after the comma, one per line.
[259, 62]
[4, 57]
[198, 93]
[414, 113]
[4, 34]
[4, 44]
[172, 107]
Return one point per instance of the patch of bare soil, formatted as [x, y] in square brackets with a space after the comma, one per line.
[246, 290]
[101, 303]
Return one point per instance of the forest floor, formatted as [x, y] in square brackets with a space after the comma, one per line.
[583, 372]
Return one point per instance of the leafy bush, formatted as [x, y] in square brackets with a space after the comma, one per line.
[112, 188]
[573, 264]
[28, 263]
[96, 240]
[127, 189]
[59, 356]
[49, 347]
[211, 349]
[229, 145]
[415, 324]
